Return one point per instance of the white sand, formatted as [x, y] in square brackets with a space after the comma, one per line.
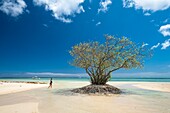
[165, 87]
[28, 107]
[6, 88]
[45, 100]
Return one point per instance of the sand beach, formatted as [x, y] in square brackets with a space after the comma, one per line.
[138, 97]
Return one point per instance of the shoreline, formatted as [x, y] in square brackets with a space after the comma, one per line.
[142, 98]
[7, 87]
[28, 82]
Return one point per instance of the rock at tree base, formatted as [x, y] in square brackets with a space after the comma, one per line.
[97, 89]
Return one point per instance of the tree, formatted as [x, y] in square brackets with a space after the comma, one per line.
[100, 60]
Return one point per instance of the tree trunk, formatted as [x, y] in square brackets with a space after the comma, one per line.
[99, 79]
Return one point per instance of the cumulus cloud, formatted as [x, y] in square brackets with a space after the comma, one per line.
[165, 30]
[98, 23]
[155, 46]
[165, 44]
[12, 7]
[104, 5]
[147, 5]
[62, 9]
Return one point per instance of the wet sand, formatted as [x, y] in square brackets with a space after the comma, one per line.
[135, 99]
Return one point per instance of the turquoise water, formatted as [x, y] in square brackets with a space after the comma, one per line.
[86, 79]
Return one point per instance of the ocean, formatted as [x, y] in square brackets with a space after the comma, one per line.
[46, 79]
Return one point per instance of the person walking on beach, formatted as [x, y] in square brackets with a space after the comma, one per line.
[51, 82]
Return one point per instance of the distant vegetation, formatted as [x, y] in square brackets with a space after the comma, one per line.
[100, 59]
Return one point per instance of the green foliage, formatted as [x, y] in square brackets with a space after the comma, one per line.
[100, 60]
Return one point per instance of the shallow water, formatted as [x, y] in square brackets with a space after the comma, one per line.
[61, 100]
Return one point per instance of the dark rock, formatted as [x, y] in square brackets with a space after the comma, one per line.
[97, 89]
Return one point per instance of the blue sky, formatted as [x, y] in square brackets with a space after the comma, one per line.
[36, 35]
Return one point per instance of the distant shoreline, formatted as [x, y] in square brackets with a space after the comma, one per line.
[28, 82]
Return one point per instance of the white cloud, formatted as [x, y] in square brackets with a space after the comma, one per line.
[165, 30]
[147, 14]
[147, 5]
[62, 9]
[145, 44]
[142, 75]
[165, 44]
[13, 7]
[56, 74]
[155, 46]
[114, 75]
[98, 23]
[104, 5]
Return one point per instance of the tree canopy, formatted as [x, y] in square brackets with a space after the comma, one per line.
[100, 59]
